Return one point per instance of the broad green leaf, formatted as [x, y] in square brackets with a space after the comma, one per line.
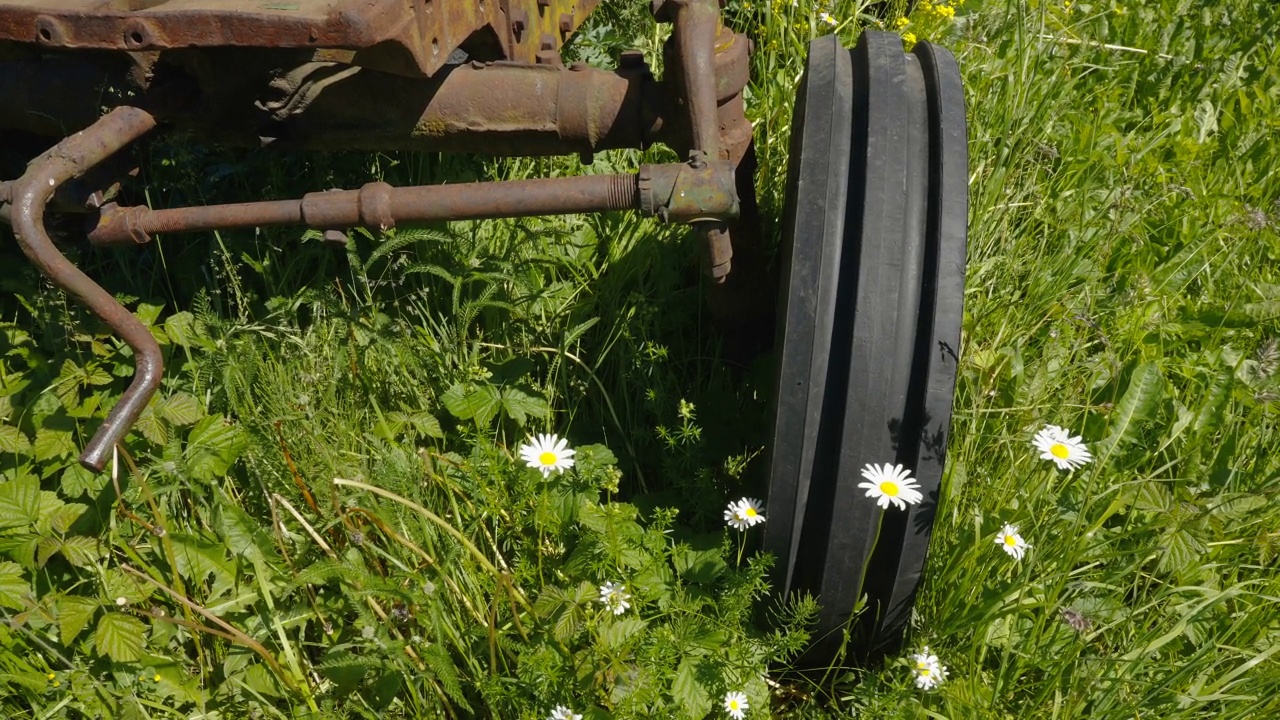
[148, 313]
[13, 587]
[76, 480]
[589, 458]
[53, 444]
[46, 548]
[519, 403]
[616, 634]
[1206, 117]
[423, 422]
[74, 613]
[687, 689]
[198, 558]
[151, 426]
[261, 681]
[181, 409]
[65, 516]
[120, 636]
[19, 502]
[1139, 404]
[242, 534]
[213, 446]
[480, 404]
[80, 550]
[118, 584]
[50, 504]
[22, 548]
[1209, 417]
[67, 387]
[181, 328]
[1182, 556]
[13, 441]
[700, 560]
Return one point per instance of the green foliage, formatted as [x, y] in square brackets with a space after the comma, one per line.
[1121, 284]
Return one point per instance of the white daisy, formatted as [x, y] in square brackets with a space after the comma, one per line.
[928, 670]
[615, 597]
[547, 453]
[735, 703]
[1056, 444]
[890, 484]
[734, 519]
[1011, 541]
[744, 513]
[563, 713]
[826, 18]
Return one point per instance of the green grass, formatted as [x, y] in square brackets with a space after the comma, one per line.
[1122, 282]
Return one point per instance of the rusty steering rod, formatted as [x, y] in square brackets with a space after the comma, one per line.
[28, 197]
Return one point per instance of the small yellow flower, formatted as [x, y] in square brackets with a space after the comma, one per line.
[909, 39]
[51, 676]
[901, 23]
[57, 683]
[156, 678]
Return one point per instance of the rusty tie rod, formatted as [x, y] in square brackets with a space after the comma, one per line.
[698, 192]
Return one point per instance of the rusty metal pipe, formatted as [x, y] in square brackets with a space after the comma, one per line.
[29, 196]
[678, 192]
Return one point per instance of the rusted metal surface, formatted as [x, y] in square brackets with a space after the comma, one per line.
[676, 193]
[28, 198]
[496, 109]
[410, 37]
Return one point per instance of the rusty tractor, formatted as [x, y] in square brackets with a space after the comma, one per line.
[872, 273]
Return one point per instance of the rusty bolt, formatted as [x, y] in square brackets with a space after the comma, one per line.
[519, 21]
[566, 23]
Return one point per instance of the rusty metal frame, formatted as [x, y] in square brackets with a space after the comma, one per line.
[285, 93]
[415, 38]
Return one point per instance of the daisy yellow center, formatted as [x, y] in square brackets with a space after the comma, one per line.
[750, 512]
[1010, 540]
[925, 672]
[547, 458]
[890, 488]
[733, 704]
[1060, 451]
